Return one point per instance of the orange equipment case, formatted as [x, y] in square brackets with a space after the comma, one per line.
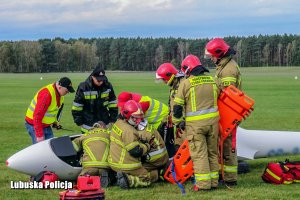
[233, 106]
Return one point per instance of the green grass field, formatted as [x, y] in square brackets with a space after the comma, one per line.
[275, 90]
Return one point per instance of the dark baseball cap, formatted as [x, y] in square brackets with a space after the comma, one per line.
[66, 82]
[99, 74]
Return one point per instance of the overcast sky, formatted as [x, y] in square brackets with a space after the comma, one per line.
[35, 19]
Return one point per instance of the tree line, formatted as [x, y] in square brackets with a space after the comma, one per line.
[139, 54]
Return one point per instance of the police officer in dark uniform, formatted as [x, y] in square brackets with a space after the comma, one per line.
[95, 100]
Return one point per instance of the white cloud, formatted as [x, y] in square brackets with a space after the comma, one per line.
[125, 11]
[108, 14]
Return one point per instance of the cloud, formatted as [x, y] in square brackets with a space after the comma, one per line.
[106, 16]
[130, 11]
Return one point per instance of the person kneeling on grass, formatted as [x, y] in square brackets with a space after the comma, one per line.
[157, 159]
[126, 149]
[95, 145]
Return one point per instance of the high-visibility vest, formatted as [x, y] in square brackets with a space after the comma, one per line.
[156, 112]
[50, 115]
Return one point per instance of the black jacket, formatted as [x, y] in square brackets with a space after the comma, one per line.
[93, 104]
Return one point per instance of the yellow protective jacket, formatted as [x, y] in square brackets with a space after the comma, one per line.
[228, 73]
[52, 111]
[198, 97]
[157, 111]
[124, 138]
[95, 146]
[158, 149]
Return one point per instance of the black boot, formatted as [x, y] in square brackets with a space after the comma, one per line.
[243, 167]
[104, 179]
[123, 181]
[231, 183]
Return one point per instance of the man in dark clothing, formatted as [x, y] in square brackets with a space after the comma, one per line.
[95, 100]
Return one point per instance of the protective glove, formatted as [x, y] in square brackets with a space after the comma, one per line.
[57, 126]
[145, 158]
[181, 125]
[39, 139]
[145, 142]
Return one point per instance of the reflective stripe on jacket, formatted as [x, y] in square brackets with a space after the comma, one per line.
[93, 104]
[198, 96]
[95, 145]
[228, 73]
[124, 138]
[52, 111]
[156, 112]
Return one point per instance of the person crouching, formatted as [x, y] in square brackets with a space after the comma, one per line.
[95, 146]
[126, 149]
[157, 159]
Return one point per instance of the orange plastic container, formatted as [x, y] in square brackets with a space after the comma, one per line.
[183, 165]
[88, 183]
[234, 106]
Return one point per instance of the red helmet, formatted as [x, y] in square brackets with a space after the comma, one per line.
[136, 97]
[167, 72]
[216, 47]
[132, 112]
[123, 98]
[189, 63]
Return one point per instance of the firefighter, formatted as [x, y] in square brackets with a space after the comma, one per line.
[172, 77]
[45, 109]
[95, 146]
[157, 157]
[126, 149]
[227, 73]
[196, 99]
[94, 101]
[154, 110]
[155, 114]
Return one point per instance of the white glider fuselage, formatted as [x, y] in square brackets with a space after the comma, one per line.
[41, 157]
[253, 144]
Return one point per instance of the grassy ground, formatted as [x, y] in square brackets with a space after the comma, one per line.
[275, 90]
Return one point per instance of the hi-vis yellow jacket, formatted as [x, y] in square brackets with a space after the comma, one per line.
[124, 138]
[52, 111]
[198, 96]
[228, 73]
[157, 111]
[95, 145]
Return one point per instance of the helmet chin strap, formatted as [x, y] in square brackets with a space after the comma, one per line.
[171, 80]
[187, 71]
